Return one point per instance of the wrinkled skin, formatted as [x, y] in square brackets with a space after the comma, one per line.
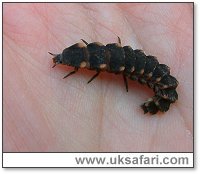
[43, 112]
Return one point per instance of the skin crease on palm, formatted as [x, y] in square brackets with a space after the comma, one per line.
[45, 113]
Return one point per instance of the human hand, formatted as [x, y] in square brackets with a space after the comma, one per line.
[43, 112]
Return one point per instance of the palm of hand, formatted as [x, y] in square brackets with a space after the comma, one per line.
[43, 112]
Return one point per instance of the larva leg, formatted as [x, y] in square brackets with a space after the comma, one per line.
[93, 77]
[84, 41]
[125, 82]
[54, 65]
[72, 72]
[119, 40]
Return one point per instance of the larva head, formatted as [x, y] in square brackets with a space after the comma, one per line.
[57, 59]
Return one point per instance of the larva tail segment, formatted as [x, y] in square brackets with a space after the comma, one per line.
[155, 104]
[149, 106]
[147, 70]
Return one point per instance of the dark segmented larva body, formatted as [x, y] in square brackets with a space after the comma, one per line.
[133, 64]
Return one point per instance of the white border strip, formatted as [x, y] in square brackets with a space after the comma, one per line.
[98, 159]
